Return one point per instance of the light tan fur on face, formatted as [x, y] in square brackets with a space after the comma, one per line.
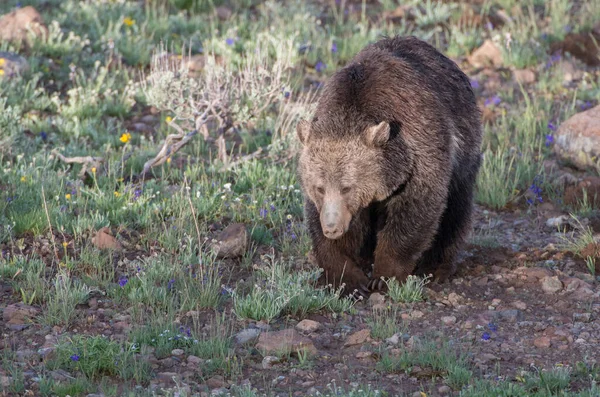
[341, 177]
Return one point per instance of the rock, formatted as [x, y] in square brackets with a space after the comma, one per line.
[196, 63]
[569, 70]
[308, 326]
[177, 352]
[15, 26]
[585, 191]
[167, 377]
[232, 241]
[520, 305]
[454, 299]
[543, 342]
[358, 338]
[557, 222]
[394, 339]
[216, 382]
[551, 285]
[284, 342]
[376, 299]
[448, 320]
[19, 316]
[524, 76]
[247, 335]
[270, 361]
[582, 317]
[443, 390]
[194, 360]
[537, 272]
[223, 13]
[104, 240]
[578, 139]
[12, 64]
[486, 55]
[5, 382]
[416, 314]
[364, 354]
[512, 316]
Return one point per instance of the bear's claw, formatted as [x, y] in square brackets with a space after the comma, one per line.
[376, 285]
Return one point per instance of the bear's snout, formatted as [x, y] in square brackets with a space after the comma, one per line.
[333, 220]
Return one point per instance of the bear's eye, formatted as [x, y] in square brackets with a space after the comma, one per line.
[346, 190]
[321, 190]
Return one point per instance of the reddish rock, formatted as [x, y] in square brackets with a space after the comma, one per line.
[285, 341]
[577, 140]
[232, 241]
[15, 25]
[486, 55]
[358, 338]
[543, 342]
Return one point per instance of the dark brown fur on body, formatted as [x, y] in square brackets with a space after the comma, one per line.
[389, 163]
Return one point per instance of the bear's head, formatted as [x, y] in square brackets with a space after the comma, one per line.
[342, 174]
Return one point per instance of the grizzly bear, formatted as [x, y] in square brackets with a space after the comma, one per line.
[388, 166]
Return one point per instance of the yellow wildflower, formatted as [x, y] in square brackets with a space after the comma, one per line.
[23, 179]
[127, 21]
[168, 119]
[126, 137]
[1, 72]
[168, 160]
[93, 170]
[117, 194]
[2, 62]
[423, 394]
[68, 196]
[65, 244]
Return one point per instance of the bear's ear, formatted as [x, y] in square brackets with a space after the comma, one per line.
[379, 134]
[303, 131]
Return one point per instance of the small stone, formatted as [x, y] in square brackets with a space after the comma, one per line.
[247, 335]
[376, 299]
[16, 25]
[524, 76]
[12, 64]
[223, 13]
[551, 285]
[19, 316]
[232, 242]
[486, 55]
[216, 382]
[578, 138]
[364, 354]
[177, 352]
[454, 299]
[519, 305]
[443, 390]
[394, 339]
[308, 326]
[543, 342]
[512, 315]
[582, 317]
[104, 240]
[269, 361]
[416, 314]
[358, 338]
[285, 341]
[194, 360]
[448, 320]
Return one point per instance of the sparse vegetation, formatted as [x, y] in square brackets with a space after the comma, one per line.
[133, 133]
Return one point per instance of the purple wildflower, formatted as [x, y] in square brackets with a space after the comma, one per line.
[229, 41]
[137, 193]
[549, 140]
[554, 58]
[334, 48]
[485, 336]
[123, 281]
[272, 207]
[286, 94]
[489, 26]
[75, 357]
[320, 66]
[43, 135]
[495, 100]
[171, 284]
[263, 213]
[551, 126]
[586, 105]
[474, 84]
[493, 327]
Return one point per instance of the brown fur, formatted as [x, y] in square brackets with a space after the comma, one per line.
[388, 164]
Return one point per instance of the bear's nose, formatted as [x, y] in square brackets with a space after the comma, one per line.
[332, 231]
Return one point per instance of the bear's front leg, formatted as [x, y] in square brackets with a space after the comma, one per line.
[337, 257]
[409, 230]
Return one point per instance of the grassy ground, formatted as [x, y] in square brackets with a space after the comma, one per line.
[105, 83]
